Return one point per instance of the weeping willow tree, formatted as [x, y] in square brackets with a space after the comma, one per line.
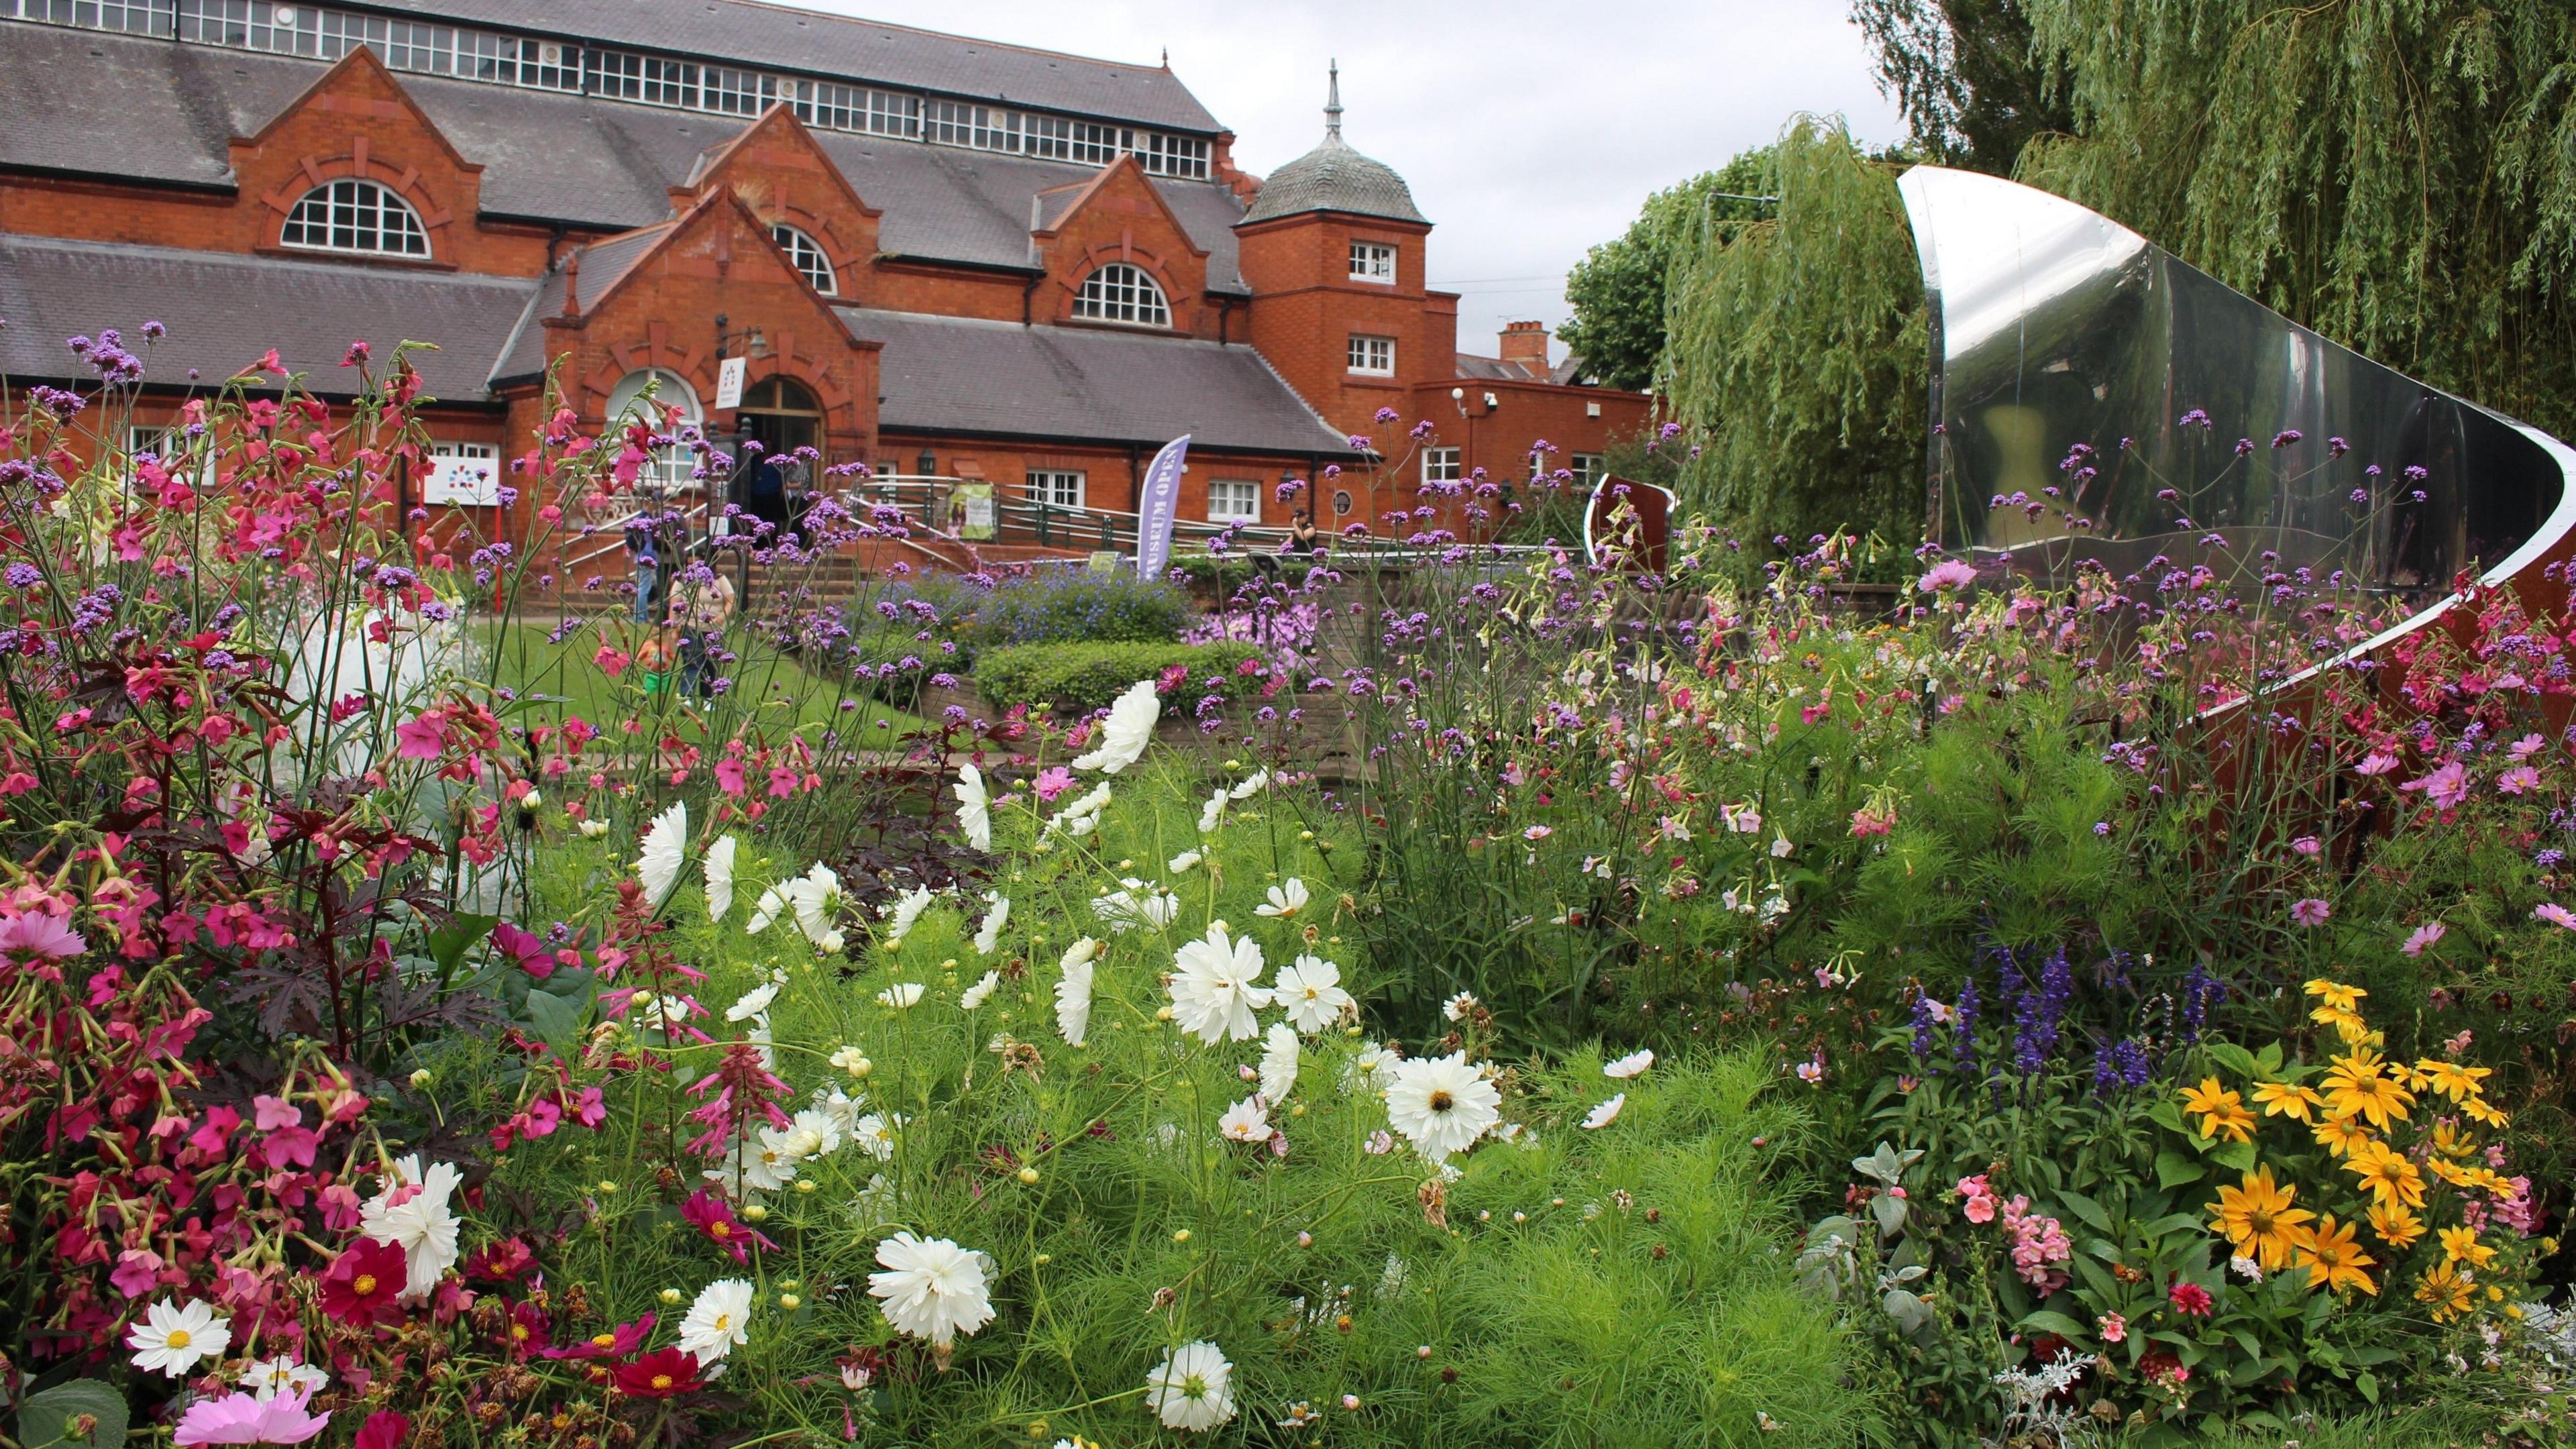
[1795, 352]
[2398, 174]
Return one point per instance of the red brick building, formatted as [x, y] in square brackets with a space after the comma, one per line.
[938, 255]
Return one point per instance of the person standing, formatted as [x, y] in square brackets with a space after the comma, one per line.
[702, 606]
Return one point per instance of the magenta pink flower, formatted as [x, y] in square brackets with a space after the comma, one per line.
[1054, 782]
[239, 1418]
[422, 737]
[2518, 779]
[2555, 914]
[1978, 1199]
[2306, 845]
[2112, 1327]
[2526, 747]
[2310, 912]
[2377, 762]
[2424, 935]
[2445, 787]
[26, 936]
[1948, 574]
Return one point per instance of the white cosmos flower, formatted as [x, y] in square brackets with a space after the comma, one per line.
[817, 897]
[666, 845]
[284, 1374]
[989, 934]
[1370, 1068]
[719, 872]
[875, 1134]
[719, 1319]
[1605, 1114]
[1441, 1105]
[1081, 815]
[1212, 990]
[1285, 900]
[839, 1112]
[590, 830]
[172, 1338]
[1311, 989]
[900, 995]
[1458, 1007]
[765, 1161]
[974, 807]
[1186, 860]
[752, 1003]
[412, 1214]
[1073, 991]
[1212, 811]
[1632, 1065]
[824, 1125]
[1278, 1061]
[1245, 1121]
[982, 991]
[907, 913]
[931, 1288]
[1251, 786]
[1124, 735]
[1189, 1389]
[773, 903]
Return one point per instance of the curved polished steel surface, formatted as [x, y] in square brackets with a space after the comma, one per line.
[2055, 328]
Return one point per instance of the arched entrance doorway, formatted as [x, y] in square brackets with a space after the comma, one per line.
[780, 415]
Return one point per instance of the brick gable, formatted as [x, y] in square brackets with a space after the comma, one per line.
[783, 175]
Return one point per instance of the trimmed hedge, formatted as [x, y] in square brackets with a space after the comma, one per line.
[1057, 605]
[1080, 678]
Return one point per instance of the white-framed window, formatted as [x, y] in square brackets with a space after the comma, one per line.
[1586, 468]
[1056, 487]
[1372, 356]
[1234, 500]
[808, 256]
[464, 473]
[355, 216]
[1120, 292]
[170, 447]
[1373, 262]
[1439, 465]
[673, 464]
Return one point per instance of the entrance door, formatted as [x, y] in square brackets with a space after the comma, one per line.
[783, 417]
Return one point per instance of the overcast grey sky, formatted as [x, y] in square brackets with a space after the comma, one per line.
[1528, 129]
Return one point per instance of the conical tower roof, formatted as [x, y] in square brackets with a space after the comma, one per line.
[1333, 177]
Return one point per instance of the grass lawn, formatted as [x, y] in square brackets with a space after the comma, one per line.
[523, 659]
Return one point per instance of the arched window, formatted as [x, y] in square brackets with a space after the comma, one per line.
[671, 465]
[1119, 292]
[808, 256]
[356, 216]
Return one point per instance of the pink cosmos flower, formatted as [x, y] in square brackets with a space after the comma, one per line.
[2526, 747]
[2307, 845]
[1537, 832]
[2518, 779]
[2377, 762]
[239, 1418]
[2555, 914]
[1054, 782]
[2424, 935]
[26, 936]
[1947, 574]
[2445, 787]
[2310, 912]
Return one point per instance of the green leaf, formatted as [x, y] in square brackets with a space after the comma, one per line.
[556, 1018]
[449, 943]
[2269, 1058]
[2173, 1170]
[2368, 1383]
[2235, 1058]
[2085, 1208]
[45, 1420]
[2049, 1320]
[2238, 1156]
[2169, 1117]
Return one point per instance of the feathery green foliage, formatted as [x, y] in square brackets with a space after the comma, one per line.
[1617, 290]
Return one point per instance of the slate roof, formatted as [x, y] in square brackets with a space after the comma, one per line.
[602, 264]
[225, 310]
[1495, 369]
[545, 156]
[839, 45]
[1333, 177]
[966, 375]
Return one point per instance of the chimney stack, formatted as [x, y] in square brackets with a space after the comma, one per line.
[1526, 344]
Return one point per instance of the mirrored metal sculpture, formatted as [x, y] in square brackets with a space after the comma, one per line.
[2095, 398]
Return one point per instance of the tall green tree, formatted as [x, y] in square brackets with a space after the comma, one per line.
[2398, 174]
[1617, 290]
[1966, 77]
[1796, 353]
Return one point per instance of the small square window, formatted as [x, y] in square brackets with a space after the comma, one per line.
[1586, 468]
[1234, 500]
[1055, 487]
[1439, 465]
[1373, 262]
[1372, 356]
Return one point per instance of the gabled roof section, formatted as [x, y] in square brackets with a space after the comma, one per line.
[778, 125]
[1116, 175]
[813, 42]
[361, 72]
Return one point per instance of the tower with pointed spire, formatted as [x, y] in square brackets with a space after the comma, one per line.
[1332, 247]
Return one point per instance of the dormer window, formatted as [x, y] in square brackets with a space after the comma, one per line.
[355, 216]
[1120, 292]
[1373, 262]
[808, 256]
